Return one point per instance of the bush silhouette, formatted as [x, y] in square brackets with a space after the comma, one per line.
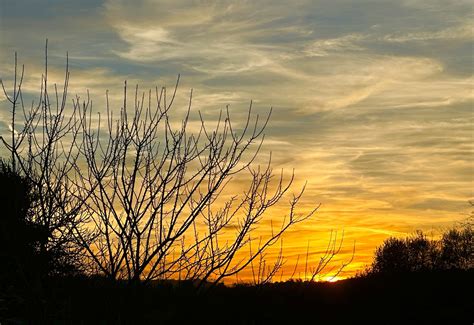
[19, 238]
[24, 260]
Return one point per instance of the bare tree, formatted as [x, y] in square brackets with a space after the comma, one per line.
[264, 273]
[144, 199]
[154, 192]
[323, 267]
[39, 153]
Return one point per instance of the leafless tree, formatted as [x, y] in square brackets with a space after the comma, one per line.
[264, 273]
[140, 196]
[154, 192]
[325, 268]
[39, 153]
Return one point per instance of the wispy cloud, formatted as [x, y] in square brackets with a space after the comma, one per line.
[326, 47]
[461, 32]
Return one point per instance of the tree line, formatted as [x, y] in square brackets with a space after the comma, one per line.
[418, 253]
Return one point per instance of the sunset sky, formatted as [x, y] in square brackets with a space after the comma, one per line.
[372, 100]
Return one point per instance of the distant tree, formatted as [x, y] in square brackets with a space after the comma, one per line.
[457, 245]
[457, 248]
[422, 252]
[391, 256]
[417, 253]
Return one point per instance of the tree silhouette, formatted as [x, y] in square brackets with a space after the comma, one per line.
[457, 250]
[417, 253]
[141, 198]
[39, 155]
[16, 245]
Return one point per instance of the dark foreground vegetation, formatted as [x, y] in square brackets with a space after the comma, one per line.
[421, 297]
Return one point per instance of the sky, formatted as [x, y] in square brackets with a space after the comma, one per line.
[372, 100]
